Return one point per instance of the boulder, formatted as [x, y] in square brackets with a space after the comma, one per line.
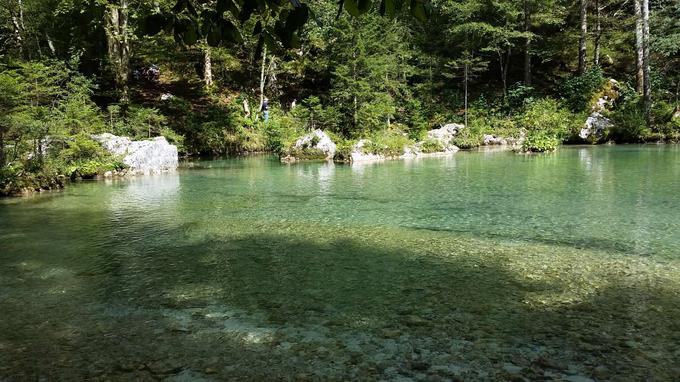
[358, 154]
[317, 141]
[144, 157]
[609, 94]
[595, 126]
[490, 140]
[445, 133]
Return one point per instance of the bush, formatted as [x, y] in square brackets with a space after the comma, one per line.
[469, 138]
[629, 123]
[546, 115]
[520, 95]
[389, 143]
[432, 146]
[540, 142]
[577, 92]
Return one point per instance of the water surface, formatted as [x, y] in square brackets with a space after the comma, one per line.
[477, 266]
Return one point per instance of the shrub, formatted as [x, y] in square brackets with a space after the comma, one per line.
[469, 138]
[389, 143]
[540, 142]
[520, 95]
[547, 115]
[432, 146]
[578, 91]
[629, 123]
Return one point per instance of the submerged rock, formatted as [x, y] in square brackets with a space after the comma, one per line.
[143, 157]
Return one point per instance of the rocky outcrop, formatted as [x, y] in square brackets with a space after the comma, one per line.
[491, 140]
[359, 155]
[142, 157]
[597, 123]
[446, 133]
[438, 143]
[316, 145]
[595, 127]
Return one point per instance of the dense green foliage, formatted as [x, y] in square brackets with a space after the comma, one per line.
[385, 70]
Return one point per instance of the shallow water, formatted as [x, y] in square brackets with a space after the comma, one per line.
[477, 266]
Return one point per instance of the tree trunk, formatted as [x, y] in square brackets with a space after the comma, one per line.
[504, 64]
[207, 68]
[18, 34]
[598, 33]
[50, 44]
[647, 88]
[262, 77]
[639, 76]
[582, 39]
[2, 150]
[465, 81]
[116, 21]
[527, 45]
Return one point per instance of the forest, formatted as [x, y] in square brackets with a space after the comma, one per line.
[197, 72]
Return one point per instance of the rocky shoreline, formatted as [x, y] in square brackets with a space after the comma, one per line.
[318, 145]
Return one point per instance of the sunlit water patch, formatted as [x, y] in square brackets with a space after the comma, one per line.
[477, 266]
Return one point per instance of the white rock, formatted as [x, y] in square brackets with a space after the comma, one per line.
[595, 126]
[145, 157]
[319, 140]
[445, 133]
[166, 96]
[358, 154]
[494, 140]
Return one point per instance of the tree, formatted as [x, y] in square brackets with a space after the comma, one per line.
[647, 88]
[467, 68]
[583, 23]
[639, 47]
[118, 40]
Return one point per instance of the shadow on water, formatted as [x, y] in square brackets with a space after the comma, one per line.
[259, 304]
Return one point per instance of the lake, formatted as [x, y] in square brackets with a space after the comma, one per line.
[477, 266]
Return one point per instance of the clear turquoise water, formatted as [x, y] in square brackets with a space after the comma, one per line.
[476, 266]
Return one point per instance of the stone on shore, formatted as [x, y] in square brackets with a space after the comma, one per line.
[316, 145]
[142, 157]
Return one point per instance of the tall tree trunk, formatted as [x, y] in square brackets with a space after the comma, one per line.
[504, 64]
[598, 33]
[262, 77]
[647, 88]
[50, 44]
[465, 82]
[582, 39]
[207, 67]
[116, 21]
[639, 76]
[527, 44]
